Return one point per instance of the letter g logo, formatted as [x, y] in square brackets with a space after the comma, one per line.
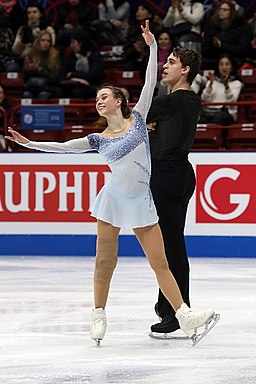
[242, 200]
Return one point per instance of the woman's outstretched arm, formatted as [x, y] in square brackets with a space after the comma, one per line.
[75, 146]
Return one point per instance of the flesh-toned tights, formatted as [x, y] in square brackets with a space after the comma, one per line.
[151, 241]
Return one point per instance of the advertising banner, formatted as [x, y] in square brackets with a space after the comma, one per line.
[224, 203]
[50, 194]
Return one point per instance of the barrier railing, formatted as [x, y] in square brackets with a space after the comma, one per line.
[85, 114]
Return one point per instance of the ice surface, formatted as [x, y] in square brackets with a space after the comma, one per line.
[45, 305]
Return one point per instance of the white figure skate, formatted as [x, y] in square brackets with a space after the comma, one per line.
[98, 325]
[190, 322]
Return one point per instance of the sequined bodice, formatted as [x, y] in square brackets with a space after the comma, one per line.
[127, 156]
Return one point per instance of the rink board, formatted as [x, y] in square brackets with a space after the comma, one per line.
[45, 200]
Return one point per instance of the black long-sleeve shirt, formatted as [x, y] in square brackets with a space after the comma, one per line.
[176, 116]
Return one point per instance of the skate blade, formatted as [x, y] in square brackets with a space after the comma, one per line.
[166, 336]
[208, 327]
[97, 341]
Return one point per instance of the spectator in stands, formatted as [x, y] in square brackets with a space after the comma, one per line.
[6, 105]
[227, 32]
[197, 85]
[7, 5]
[183, 19]
[252, 54]
[41, 69]
[82, 70]
[135, 51]
[26, 34]
[214, 8]
[111, 28]
[252, 23]
[72, 14]
[165, 45]
[15, 13]
[222, 86]
[6, 40]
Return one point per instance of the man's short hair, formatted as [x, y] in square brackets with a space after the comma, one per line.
[190, 58]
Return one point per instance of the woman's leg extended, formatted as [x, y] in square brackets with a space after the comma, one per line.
[105, 262]
[151, 240]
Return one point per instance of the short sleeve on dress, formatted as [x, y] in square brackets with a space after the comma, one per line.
[93, 139]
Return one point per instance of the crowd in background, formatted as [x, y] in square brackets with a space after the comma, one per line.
[62, 57]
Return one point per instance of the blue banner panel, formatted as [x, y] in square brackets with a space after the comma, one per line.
[44, 117]
[84, 245]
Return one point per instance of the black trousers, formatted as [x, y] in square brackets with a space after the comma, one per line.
[173, 184]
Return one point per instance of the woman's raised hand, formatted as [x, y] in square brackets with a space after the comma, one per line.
[16, 136]
[147, 35]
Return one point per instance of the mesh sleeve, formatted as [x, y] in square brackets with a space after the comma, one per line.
[147, 92]
[71, 146]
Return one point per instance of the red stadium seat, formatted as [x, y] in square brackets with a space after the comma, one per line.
[242, 138]
[128, 79]
[12, 83]
[208, 138]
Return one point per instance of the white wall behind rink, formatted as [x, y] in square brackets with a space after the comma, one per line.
[50, 193]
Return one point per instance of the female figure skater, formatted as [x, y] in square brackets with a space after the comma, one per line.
[126, 200]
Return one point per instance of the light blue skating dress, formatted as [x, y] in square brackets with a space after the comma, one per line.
[125, 201]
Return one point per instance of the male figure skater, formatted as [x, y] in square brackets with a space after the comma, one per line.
[175, 119]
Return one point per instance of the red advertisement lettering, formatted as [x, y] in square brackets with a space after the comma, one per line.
[49, 193]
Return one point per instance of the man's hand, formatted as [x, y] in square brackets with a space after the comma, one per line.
[151, 127]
